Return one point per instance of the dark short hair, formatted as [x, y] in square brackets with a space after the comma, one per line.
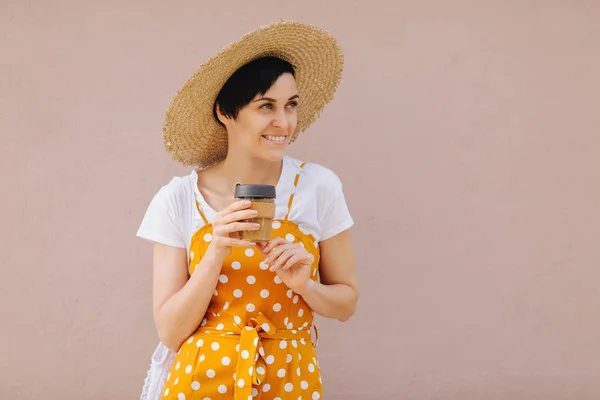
[250, 80]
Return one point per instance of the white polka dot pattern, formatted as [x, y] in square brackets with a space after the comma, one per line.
[249, 303]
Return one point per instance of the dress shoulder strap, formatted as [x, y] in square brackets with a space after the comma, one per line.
[291, 200]
[201, 213]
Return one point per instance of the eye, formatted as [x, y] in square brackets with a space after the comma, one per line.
[266, 106]
[292, 104]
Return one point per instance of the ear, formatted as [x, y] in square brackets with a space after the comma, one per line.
[222, 117]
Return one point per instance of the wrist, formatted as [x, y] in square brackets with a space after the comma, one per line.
[215, 255]
[306, 288]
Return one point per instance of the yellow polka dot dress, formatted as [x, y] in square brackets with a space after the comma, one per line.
[255, 341]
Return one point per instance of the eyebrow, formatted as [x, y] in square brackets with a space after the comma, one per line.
[273, 100]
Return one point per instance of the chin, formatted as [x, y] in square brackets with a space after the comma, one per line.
[274, 156]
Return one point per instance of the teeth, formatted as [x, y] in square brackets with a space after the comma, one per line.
[276, 138]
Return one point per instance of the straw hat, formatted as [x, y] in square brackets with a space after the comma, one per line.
[190, 132]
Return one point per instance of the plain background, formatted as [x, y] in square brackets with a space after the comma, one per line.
[466, 134]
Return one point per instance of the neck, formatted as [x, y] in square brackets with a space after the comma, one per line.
[246, 170]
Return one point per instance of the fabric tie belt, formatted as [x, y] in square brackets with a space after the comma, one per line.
[251, 362]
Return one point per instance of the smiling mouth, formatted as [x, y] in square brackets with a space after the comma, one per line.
[276, 139]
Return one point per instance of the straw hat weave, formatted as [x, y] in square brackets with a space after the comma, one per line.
[191, 134]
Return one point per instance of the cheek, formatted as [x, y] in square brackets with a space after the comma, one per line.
[259, 122]
[253, 128]
[293, 118]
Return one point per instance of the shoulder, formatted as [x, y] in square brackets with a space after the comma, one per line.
[177, 193]
[332, 213]
[321, 175]
[322, 181]
[317, 175]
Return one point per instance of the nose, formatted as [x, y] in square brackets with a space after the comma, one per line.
[280, 120]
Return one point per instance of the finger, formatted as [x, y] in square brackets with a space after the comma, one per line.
[261, 247]
[276, 252]
[238, 216]
[282, 259]
[232, 230]
[240, 226]
[275, 242]
[239, 242]
[235, 206]
[293, 260]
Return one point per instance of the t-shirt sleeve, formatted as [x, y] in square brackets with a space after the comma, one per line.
[162, 221]
[334, 215]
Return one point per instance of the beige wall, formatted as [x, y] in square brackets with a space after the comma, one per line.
[466, 133]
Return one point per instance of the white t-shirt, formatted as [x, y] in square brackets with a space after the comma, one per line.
[319, 206]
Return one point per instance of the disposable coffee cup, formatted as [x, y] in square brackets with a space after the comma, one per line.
[263, 201]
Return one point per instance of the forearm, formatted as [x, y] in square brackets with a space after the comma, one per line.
[181, 315]
[331, 301]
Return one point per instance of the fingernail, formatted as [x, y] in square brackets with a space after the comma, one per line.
[256, 226]
[247, 202]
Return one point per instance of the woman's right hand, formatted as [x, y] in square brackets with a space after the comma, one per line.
[227, 225]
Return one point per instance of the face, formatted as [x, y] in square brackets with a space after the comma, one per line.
[264, 127]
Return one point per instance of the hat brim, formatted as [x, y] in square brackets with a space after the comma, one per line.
[191, 134]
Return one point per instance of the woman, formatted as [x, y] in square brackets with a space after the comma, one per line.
[239, 315]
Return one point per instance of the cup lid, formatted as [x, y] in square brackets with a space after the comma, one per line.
[252, 191]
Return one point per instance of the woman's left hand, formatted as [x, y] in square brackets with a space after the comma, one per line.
[290, 261]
